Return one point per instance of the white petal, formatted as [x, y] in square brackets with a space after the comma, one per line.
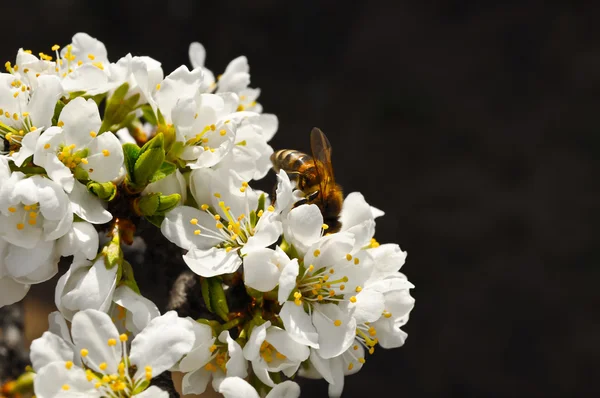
[87, 206]
[305, 223]
[58, 172]
[333, 340]
[105, 158]
[81, 238]
[257, 337]
[281, 340]
[142, 309]
[49, 348]
[94, 290]
[287, 280]
[58, 325]
[197, 55]
[299, 325]
[153, 392]
[261, 269]
[27, 147]
[80, 117]
[43, 100]
[177, 227]
[212, 262]
[49, 381]
[369, 306]
[92, 330]
[198, 357]
[86, 78]
[195, 382]
[12, 291]
[355, 210]
[237, 365]
[21, 262]
[337, 370]
[268, 230]
[269, 124]
[321, 368]
[388, 258]
[287, 389]
[235, 387]
[161, 344]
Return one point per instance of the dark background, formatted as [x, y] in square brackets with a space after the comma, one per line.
[473, 126]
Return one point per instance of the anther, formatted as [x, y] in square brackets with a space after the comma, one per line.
[337, 322]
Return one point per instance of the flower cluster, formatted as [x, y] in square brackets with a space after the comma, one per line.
[84, 138]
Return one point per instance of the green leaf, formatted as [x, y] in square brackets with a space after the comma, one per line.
[113, 255]
[217, 298]
[155, 220]
[57, 110]
[104, 190]
[149, 161]
[131, 153]
[147, 204]
[261, 203]
[148, 114]
[168, 203]
[205, 289]
[166, 168]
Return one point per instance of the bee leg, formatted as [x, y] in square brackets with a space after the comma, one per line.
[307, 199]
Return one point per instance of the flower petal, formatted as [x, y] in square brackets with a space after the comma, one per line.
[257, 337]
[336, 329]
[262, 269]
[299, 325]
[81, 238]
[47, 349]
[92, 330]
[80, 117]
[287, 389]
[161, 344]
[236, 387]
[105, 159]
[304, 226]
[287, 280]
[41, 105]
[179, 229]
[195, 382]
[51, 379]
[93, 291]
[212, 262]
[141, 309]
[152, 392]
[87, 206]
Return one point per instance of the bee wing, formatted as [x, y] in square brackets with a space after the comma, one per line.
[321, 152]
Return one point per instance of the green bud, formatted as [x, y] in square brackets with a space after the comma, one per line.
[104, 190]
[217, 298]
[151, 158]
[166, 168]
[148, 114]
[147, 204]
[168, 203]
[23, 384]
[131, 153]
[113, 255]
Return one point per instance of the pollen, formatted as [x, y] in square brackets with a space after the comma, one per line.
[197, 232]
[316, 253]
[103, 366]
[12, 209]
[271, 208]
[98, 65]
[93, 134]
[20, 226]
[68, 364]
[348, 256]
[217, 195]
[353, 299]
[91, 57]
[311, 267]
[204, 207]
[223, 132]
[47, 146]
[325, 227]
[84, 353]
[194, 221]
[158, 87]
[240, 108]
[55, 47]
[356, 260]
[105, 152]
[213, 127]
[361, 360]
[123, 337]
[212, 348]
[60, 123]
[350, 366]
[65, 387]
[337, 322]
[112, 342]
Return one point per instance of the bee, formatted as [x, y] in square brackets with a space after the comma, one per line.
[314, 176]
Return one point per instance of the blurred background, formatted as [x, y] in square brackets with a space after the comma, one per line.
[473, 126]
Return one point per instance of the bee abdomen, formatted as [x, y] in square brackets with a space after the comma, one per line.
[289, 160]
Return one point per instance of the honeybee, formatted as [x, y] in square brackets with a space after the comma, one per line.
[314, 177]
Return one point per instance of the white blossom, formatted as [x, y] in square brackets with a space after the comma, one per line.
[98, 361]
